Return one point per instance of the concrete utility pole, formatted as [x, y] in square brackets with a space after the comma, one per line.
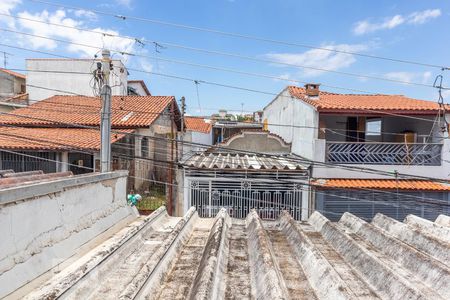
[105, 122]
[183, 111]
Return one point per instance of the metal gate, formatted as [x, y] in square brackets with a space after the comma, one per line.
[269, 198]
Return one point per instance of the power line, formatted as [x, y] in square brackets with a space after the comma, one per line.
[238, 35]
[236, 71]
[221, 53]
[298, 159]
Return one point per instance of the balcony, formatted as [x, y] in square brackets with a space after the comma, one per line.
[379, 153]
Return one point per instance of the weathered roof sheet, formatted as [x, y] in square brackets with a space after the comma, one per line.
[9, 178]
[389, 184]
[242, 161]
[26, 138]
[127, 111]
[332, 102]
[197, 124]
[164, 257]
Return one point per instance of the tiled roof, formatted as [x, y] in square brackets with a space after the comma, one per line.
[228, 258]
[331, 102]
[20, 99]
[197, 124]
[15, 74]
[127, 111]
[388, 184]
[22, 138]
[241, 161]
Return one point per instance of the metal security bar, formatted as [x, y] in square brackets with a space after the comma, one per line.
[384, 153]
[239, 197]
[29, 162]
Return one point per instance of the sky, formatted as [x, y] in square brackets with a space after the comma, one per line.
[406, 30]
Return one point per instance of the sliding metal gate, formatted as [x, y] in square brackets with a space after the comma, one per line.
[269, 198]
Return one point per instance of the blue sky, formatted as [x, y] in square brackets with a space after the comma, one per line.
[411, 30]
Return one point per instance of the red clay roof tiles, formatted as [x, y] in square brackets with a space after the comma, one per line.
[127, 111]
[387, 184]
[197, 124]
[24, 138]
[330, 102]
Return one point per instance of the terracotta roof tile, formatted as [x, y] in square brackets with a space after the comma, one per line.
[22, 138]
[15, 74]
[127, 111]
[197, 124]
[386, 184]
[331, 102]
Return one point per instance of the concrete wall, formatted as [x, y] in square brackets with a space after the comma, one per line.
[43, 224]
[258, 142]
[10, 85]
[196, 137]
[75, 83]
[291, 112]
[138, 88]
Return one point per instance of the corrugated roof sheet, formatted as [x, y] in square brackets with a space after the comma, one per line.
[83, 110]
[26, 138]
[193, 258]
[332, 102]
[388, 184]
[197, 124]
[12, 179]
[241, 161]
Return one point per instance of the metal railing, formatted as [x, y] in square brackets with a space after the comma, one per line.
[423, 154]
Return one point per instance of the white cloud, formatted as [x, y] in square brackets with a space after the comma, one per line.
[409, 76]
[69, 34]
[126, 3]
[419, 17]
[81, 13]
[146, 65]
[6, 6]
[320, 59]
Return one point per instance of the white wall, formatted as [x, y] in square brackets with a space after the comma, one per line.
[138, 88]
[51, 220]
[196, 137]
[74, 83]
[291, 112]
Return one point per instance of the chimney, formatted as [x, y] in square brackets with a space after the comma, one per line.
[312, 89]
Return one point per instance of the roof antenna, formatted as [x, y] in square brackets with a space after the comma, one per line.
[198, 95]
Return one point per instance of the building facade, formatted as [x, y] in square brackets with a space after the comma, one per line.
[352, 137]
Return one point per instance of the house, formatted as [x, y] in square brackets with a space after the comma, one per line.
[197, 135]
[138, 88]
[141, 128]
[223, 129]
[12, 90]
[188, 257]
[251, 170]
[47, 77]
[359, 136]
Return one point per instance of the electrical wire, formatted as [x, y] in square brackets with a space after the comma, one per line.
[236, 71]
[237, 35]
[221, 53]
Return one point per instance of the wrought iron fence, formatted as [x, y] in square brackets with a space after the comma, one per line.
[425, 154]
[239, 197]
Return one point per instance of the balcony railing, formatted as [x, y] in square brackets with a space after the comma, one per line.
[384, 153]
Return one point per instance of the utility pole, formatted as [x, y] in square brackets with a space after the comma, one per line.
[5, 58]
[105, 122]
[183, 111]
[172, 158]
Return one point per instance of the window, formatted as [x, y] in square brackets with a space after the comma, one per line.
[144, 147]
[373, 126]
